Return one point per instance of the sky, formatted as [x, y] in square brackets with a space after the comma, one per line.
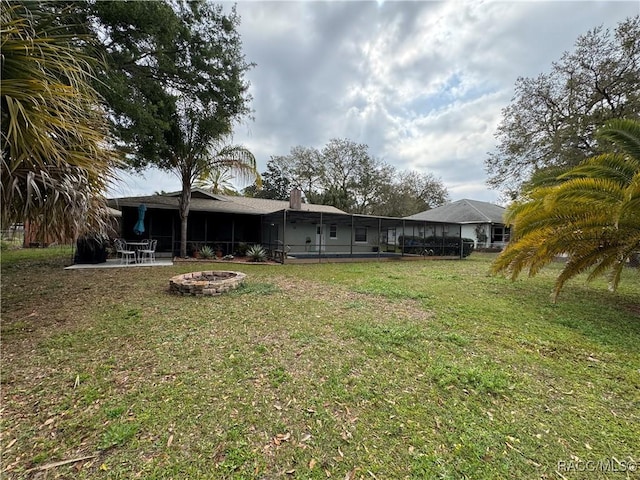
[421, 83]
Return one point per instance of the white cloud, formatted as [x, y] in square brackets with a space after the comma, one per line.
[148, 182]
[421, 83]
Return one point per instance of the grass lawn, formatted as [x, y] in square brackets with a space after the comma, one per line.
[390, 370]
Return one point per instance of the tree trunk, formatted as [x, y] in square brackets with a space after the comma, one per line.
[183, 235]
[185, 201]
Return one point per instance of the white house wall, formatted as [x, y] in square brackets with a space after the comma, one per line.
[469, 231]
[303, 238]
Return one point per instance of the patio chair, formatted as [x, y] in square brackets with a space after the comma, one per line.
[149, 252]
[123, 252]
[280, 253]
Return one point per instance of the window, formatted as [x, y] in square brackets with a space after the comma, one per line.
[333, 231]
[360, 234]
[391, 236]
[500, 234]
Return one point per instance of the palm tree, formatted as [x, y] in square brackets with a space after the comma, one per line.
[55, 161]
[590, 213]
[194, 164]
[218, 181]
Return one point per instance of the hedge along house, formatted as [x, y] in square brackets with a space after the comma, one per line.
[481, 221]
[307, 232]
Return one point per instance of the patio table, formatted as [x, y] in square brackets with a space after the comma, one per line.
[137, 246]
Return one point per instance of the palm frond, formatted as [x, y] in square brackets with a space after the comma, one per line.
[591, 213]
[236, 159]
[56, 161]
[625, 134]
[612, 166]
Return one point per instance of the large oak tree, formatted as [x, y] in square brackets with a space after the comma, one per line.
[345, 175]
[552, 118]
[173, 82]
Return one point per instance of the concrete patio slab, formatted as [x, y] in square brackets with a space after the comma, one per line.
[115, 263]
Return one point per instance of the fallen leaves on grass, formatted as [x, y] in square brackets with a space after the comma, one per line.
[280, 438]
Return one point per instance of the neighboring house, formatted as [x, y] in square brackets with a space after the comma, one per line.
[307, 230]
[481, 221]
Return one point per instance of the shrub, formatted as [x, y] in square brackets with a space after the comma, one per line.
[193, 249]
[449, 246]
[241, 249]
[207, 252]
[256, 253]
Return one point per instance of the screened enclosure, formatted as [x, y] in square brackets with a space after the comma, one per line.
[289, 234]
[321, 236]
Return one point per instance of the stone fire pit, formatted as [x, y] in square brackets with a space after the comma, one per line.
[205, 283]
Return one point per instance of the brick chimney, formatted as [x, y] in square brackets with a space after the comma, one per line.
[295, 200]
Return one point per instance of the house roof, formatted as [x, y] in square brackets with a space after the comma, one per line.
[463, 211]
[203, 201]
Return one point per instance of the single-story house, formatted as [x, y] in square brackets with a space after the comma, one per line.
[481, 221]
[307, 231]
